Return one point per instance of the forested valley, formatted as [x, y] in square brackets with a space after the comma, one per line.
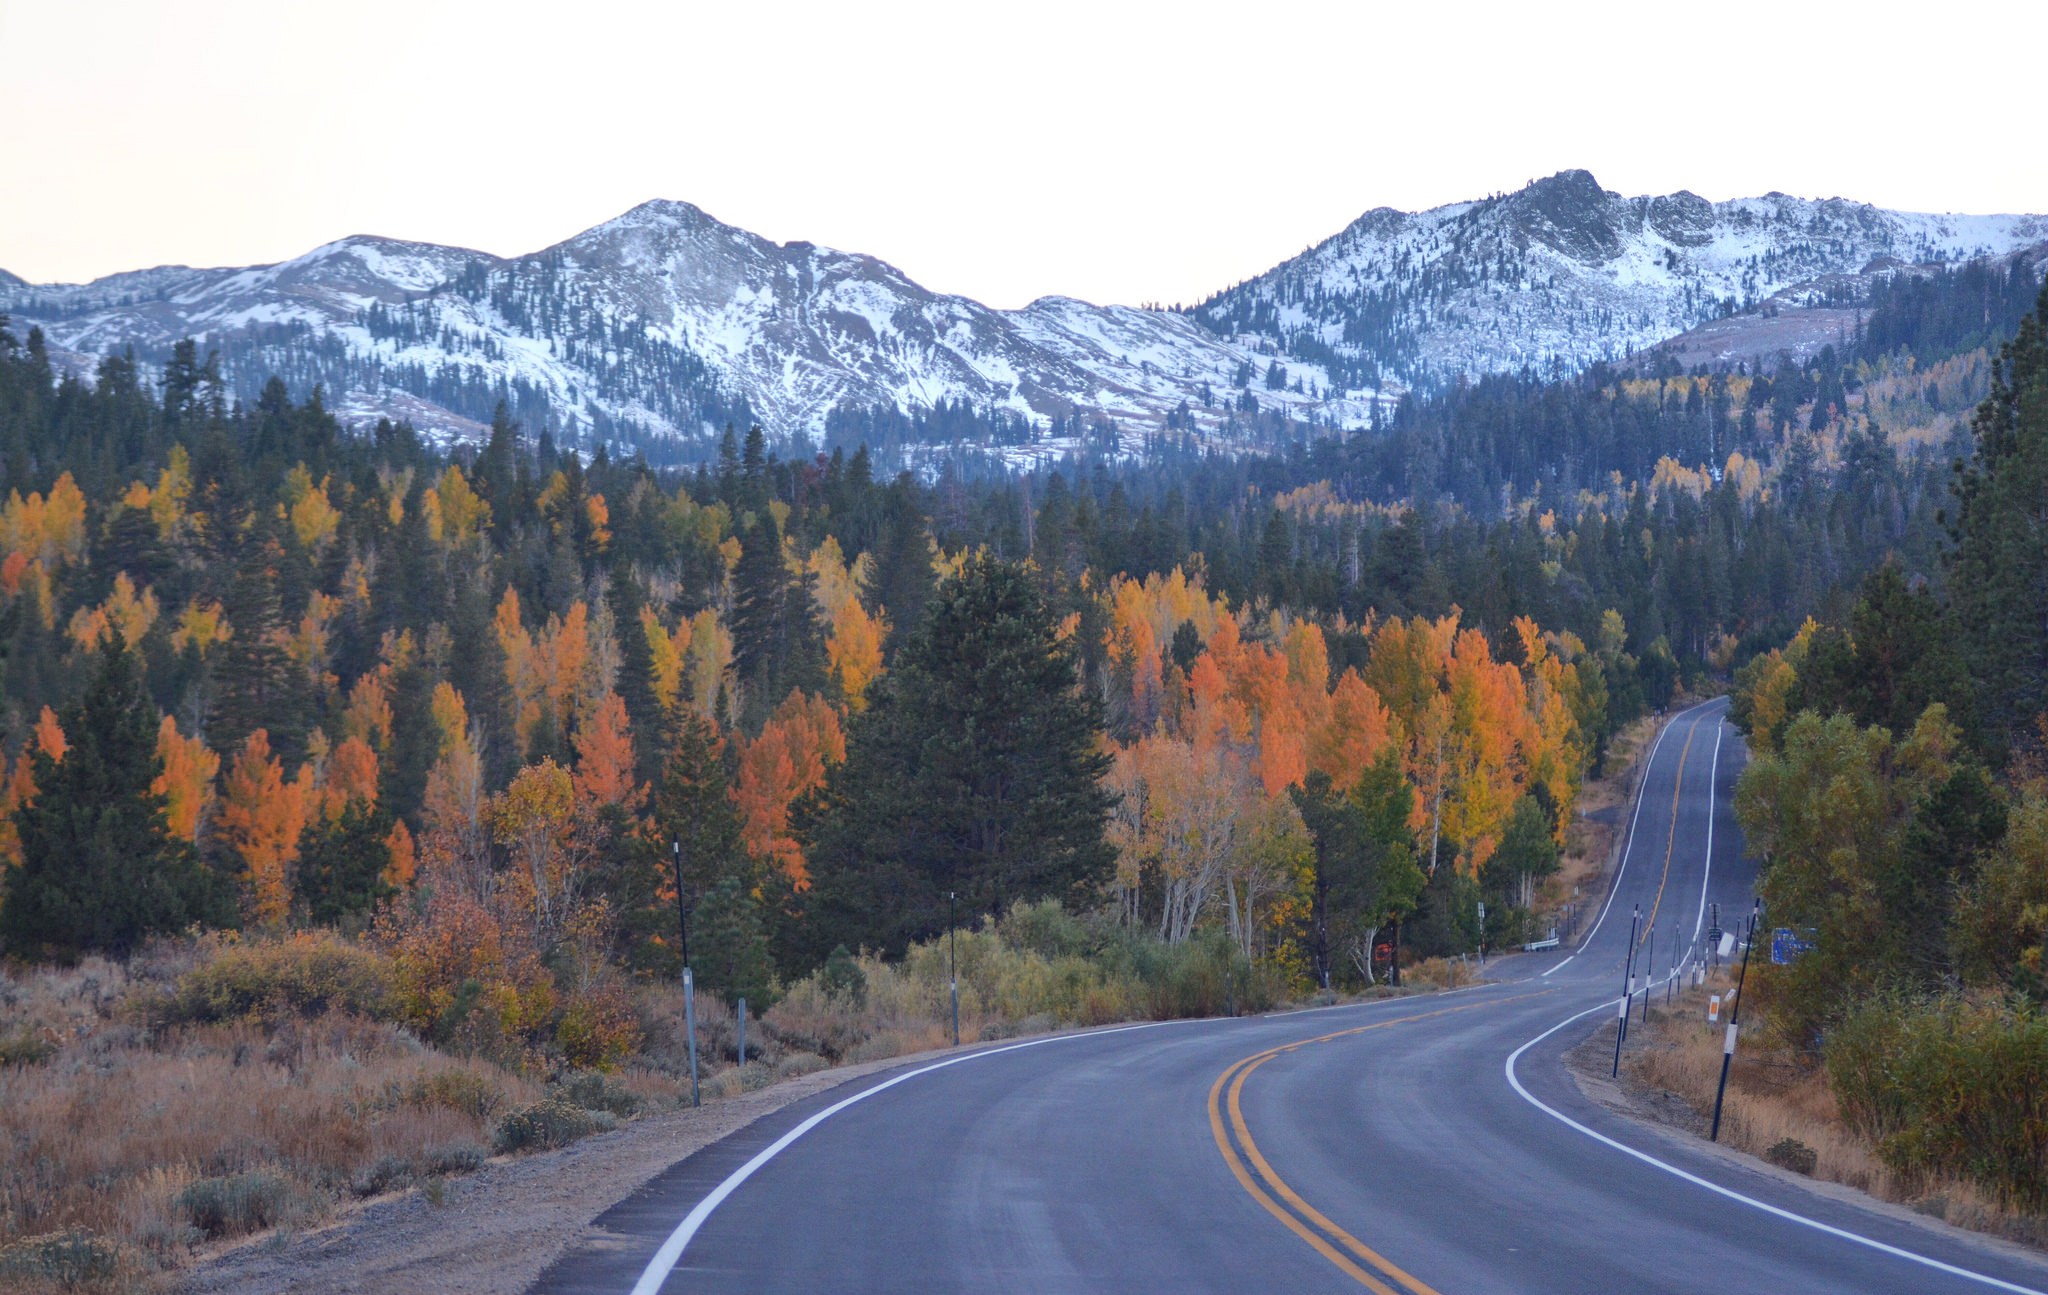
[323, 738]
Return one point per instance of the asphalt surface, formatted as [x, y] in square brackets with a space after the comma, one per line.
[1383, 1147]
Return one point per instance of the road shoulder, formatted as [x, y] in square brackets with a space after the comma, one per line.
[498, 1229]
[1659, 1119]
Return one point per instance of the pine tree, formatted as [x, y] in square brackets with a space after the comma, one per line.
[903, 562]
[100, 867]
[342, 863]
[1998, 570]
[728, 947]
[760, 591]
[257, 682]
[694, 830]
[977, 769]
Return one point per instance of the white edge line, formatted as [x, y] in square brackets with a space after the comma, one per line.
[671, 1252]
[1515, 1082]
[1731, 1194]
[1629, 849]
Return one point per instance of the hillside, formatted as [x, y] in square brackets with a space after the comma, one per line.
[656, 329]
[1563, 273]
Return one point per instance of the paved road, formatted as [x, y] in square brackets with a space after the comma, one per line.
[1390, 1147]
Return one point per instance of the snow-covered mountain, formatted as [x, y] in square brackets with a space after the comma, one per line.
[1563, 273]
[659, 327]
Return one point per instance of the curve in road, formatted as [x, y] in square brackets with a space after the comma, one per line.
[1407, 1146]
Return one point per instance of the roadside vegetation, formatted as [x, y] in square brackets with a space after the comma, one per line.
[1898, 798]
[1788, 1111]
[355, 791]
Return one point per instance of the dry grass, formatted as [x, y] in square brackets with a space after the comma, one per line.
[1774, 1096]
[148, 1135]
[1440, 973]
[115, 1134]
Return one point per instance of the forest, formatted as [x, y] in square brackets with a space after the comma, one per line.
[383, 686]
[1898, 799]
[329, 742]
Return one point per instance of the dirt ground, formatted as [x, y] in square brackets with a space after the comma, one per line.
[493, 1231]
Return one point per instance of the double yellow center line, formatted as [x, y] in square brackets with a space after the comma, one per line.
[1671, 840]
[1256, 1175]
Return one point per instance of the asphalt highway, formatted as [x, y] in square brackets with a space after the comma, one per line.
[1415, 1146]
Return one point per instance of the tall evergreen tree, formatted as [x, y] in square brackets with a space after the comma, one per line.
[257, 684]
[695, 832]
[341, 865]
[761, 588]
[100, 869]
[1998, 570]
[977, 769]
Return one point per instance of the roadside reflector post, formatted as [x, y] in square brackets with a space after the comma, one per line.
[690, 1028]
[953, 961]
[742, 1049]
[1734, 1016]
[689, 982]
[1714, 1009]
[1671, 973]
[1649, 969]
[1621, 1025]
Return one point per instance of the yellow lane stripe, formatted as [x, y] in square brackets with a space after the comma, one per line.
[1677, 790]
[1234, 1077]
[1244, 1180]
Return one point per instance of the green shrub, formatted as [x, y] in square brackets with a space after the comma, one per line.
[73, 1258]
[304, 974]
[1792, 1154]
[549, 1124]
[841, 976]
[1949, 1085]
[454, 1158]
[223, 1207]
[25, 1047]
[388, 1173]
[599, 1028]
[467, 1092]
[594, 1091]
[794, 1064]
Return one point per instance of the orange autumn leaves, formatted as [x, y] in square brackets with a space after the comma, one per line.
[785, 763]
[1258, 705]
[262, 814]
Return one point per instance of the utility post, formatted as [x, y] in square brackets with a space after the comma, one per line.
[1734, 1014]
[953, 962]
[689, 983]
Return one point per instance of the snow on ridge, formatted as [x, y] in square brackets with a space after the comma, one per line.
[663, 320]
[1563, 273]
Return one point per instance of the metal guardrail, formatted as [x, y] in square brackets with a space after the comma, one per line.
[1538, 946]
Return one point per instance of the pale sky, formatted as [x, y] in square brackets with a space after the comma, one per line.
[1110, 151]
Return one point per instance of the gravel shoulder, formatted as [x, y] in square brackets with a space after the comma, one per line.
[1662, 1116]
[496, 1230]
